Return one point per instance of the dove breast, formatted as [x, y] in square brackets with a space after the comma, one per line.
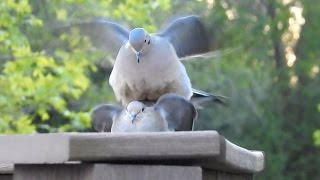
[159, 71]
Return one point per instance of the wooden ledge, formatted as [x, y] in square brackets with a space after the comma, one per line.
[203, 148]
[6, 169]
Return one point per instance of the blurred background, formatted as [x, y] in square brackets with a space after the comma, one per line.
[267, 63]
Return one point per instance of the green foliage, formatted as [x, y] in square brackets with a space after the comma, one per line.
[317, 137]
[140, 16]
[44, 78]
[316, 134]
[36, 82]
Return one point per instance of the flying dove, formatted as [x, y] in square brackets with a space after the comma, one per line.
[170, 113]
[148, 65]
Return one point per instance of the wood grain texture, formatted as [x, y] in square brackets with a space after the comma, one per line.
[143, 146]
[37, 148]
[202, 148]
[208, 174]
[232, 176]
[6, 177]
[243, 159]
[143, 172]
[53, 172]
[6, 169]
[106, 171]
[233, 158]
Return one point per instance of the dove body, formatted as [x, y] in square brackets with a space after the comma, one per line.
[158, 71]
[170, 113]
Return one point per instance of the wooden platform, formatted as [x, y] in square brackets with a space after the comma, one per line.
[204, 152]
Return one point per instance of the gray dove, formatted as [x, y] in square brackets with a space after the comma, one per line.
[148, 65]
[170, 113]
[146, 68]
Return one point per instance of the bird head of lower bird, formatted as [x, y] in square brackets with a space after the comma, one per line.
[134, 109]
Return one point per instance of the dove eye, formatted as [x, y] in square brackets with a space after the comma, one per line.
[145, 40]
[142, 109]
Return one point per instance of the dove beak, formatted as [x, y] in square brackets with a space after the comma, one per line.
[136, 46]
[133, 117]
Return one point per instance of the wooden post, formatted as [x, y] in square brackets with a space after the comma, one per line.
[199, 155]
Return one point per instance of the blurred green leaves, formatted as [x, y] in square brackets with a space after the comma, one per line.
[316, 136]
[45, 78]
[35, 83]
[140, 12]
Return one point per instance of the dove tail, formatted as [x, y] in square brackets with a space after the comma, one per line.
[202, 99]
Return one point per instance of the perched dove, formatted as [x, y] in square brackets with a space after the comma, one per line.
[171, 113]
[148, 65]
[147, 71]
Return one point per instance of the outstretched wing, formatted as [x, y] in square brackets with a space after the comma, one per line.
[188, 36]
[105, 35]
[178, 111]
[103, 116]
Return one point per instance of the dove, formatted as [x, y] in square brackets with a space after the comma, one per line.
[145, 72]
[149, 65]
[171, 112]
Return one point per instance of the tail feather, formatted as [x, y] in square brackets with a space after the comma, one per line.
[202, 99]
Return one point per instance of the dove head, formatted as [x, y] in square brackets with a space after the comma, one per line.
[134, 109]
[137, 38]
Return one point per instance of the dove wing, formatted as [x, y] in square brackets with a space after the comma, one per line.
[105, 35]
[179, 112]
[103, 116]
[188, 36]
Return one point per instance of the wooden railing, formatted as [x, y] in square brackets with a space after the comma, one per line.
[198, 155]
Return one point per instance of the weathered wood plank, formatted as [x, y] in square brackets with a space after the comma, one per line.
[52, 172]
[6, 168]
[242, 159]
[6, 171]
[231, 176]
[208, 174]
[106, 171]
[37, 148]
[135, 146]
[233, 158]
[203, 148]
[6, 177]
